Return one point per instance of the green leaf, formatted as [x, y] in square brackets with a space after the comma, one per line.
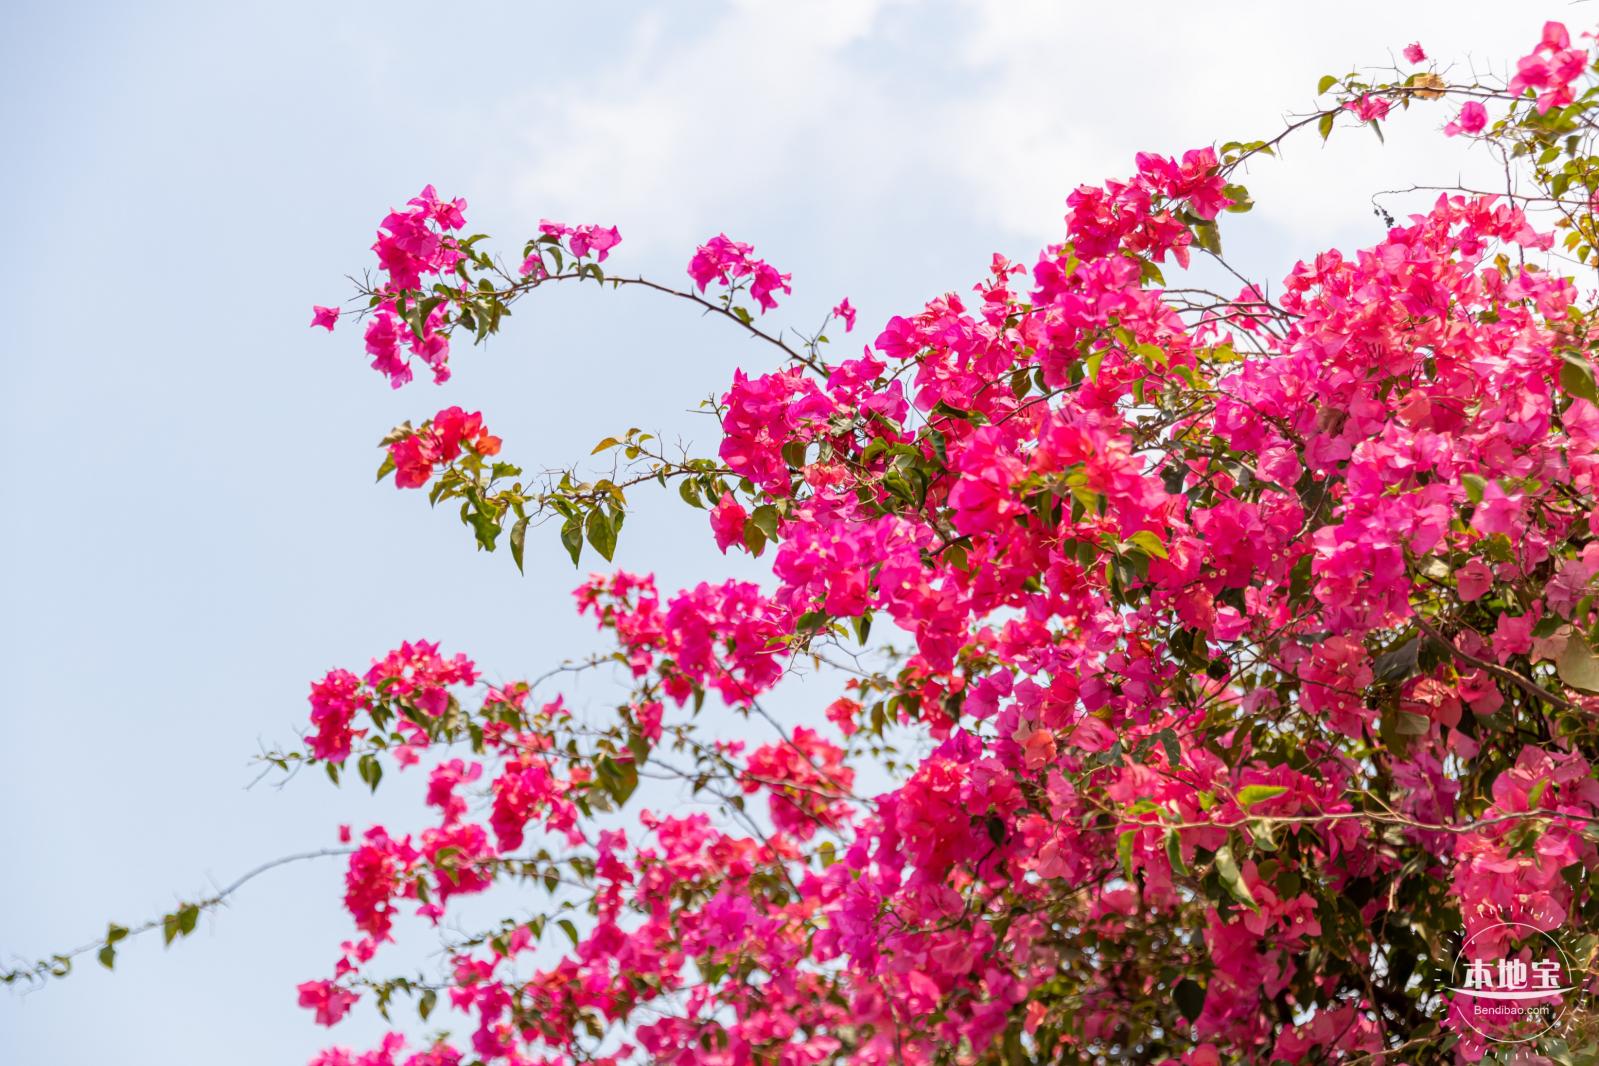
[754, 538]
[1190, 997]
[1124, 851]
[1474, 485]
[1241, 200]
[570, 930]
[107, 956]
[765, 517]
[1091, 364]
[1174, 852]
[1576, 377]
[601, 533]
[518, 542]
[1153, 354]
[572, 537]
[430, 998]
[1324, 127]
[1174, 753]
[1148, 542]
[1327, 82]
[1410, 724]
[1577, 665]
[1250, 795]
[387, 466]
[371, 771]
[188, 916]
[1232, 878]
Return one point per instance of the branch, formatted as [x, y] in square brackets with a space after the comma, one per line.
[179, 922]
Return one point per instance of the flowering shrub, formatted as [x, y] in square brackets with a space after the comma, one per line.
[1250, 671]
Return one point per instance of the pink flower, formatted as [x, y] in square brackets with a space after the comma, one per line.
[439, 442]
[1414, 53]
[725, 261]
[1498, 512]
[586, 239]
[1368, 108]
[326, 317]
[1473, 117]
[846, 312]
[844, 712]
[1473, 580]
[328, 1000]
[1513, 635]
[727, 522]
[1550, 69]
[581, 240]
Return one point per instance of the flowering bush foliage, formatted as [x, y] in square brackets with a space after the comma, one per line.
[1250, 665]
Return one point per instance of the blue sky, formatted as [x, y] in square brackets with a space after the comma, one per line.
[191, 533]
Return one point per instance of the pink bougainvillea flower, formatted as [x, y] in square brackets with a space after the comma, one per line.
[1368, 108]
[1414, 53]
[326, 317]
[846, 312]
[1473, 117]
[727, 522]
[1473, 580]
[328, 1000]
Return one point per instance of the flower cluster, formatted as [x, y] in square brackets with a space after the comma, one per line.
[726, 262]
[416, 454]
[1237, 643]
[581, 241]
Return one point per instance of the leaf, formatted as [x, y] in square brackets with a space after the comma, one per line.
[601, 533]
[1174, 852]
[1327, 82]
[1124, 851]
[1250, 795]
[1232, 878]
[572, 537]
[1474, 484]
[765, 517]
[1091, 364]
[608, 442]
[107, 956]
[1325, 126]
[1148, 542]
[1410, 724]
[1577, 665]
[570, 930]
[1153, 354]
[1190, 997]
[1397, 664]
[754, 538]
[371, 771]
[1576, 377]
[1428, 85]
[429, 999]
[1174, 753]
[518, 542]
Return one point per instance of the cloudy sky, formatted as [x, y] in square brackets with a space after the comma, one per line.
[191, 531]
